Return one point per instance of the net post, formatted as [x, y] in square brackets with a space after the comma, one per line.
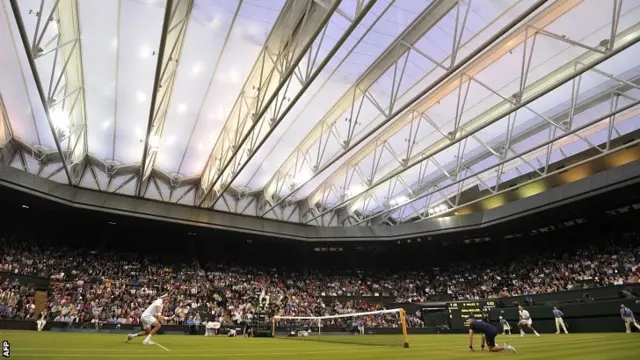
[403, 324]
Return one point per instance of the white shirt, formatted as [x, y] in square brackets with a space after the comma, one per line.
[524, 315]
[154, 309]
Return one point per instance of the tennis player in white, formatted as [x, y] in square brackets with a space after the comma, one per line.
[525, 321]
[151, 320]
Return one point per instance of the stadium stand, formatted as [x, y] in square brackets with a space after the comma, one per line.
[102, 287]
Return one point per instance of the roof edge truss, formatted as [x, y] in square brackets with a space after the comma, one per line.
[174, 29]
[559, 132]
[394, 56]
[506, 110]
[510, 103]
[63, 98]
[306, 75]
[293, 34]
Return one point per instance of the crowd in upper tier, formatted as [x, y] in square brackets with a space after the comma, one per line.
[88, 286]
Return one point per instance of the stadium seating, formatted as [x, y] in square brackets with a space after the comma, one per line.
[89, 286]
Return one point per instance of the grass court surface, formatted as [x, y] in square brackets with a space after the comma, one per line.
[51, 345]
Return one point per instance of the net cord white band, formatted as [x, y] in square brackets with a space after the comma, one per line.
[379, 312]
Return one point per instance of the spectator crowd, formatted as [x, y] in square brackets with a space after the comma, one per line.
[89, 286]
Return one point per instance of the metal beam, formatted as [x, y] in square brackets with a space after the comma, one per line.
[429, 18]
[565, 116]
[618, 114]
[174, 29]
[75, 140]
[6, 132]
[7, 148]
[469, 176]
[504, 109]
[300, 22]
[458, 81]
[524, 35]
[64, 105]
[280, 115]
[390, 115]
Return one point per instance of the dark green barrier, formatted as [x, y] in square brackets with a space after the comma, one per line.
[593, 316]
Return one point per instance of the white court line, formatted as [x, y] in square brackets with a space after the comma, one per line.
[293, 351]
[256, 354]
[161, 347]
[233, 354]
[321, 345]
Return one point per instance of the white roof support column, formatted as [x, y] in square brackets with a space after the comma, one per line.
[174, 29]
[295, 31]
[63, 98]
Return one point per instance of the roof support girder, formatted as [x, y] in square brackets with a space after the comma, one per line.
[279, 113]
[63, 100]
[566, 116]
[459, 81]
[174, 29]
[298, 25]
[6, 132]
[7, 148]
[353, 97]
[603, 122]
[392, 113]
[506, 108]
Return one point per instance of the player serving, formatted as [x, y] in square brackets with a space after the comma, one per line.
[525, 321]
[489, 334]
[151, 320]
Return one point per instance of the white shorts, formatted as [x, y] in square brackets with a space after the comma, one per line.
[148, 321]
[526, 322]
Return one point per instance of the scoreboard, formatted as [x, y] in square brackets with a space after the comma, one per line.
[460, 311]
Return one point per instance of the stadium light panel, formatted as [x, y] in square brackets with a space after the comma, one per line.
[303, 175]
[399, 200]
[60, 119]
[141, 96]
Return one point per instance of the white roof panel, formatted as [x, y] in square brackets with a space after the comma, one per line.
[409, 169]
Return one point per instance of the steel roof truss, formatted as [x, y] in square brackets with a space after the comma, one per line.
[305, 78]
[174, 30]
[271, 90]
[395, 56]
[63, 98]
[512, 157]
[509, 105]
[5, 126]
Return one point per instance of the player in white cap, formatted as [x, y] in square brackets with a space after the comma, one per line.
[151, 320]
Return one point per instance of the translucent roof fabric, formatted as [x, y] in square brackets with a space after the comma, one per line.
[323, 112]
